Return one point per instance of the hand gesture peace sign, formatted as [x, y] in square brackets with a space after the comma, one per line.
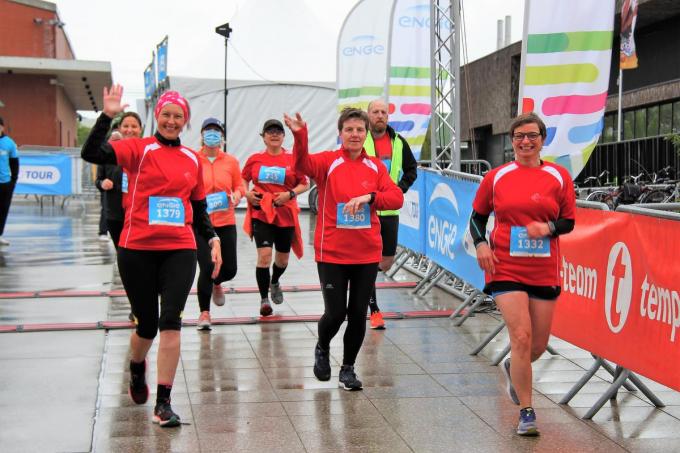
[111, 105]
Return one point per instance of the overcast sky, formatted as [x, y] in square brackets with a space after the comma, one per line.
[278, 40]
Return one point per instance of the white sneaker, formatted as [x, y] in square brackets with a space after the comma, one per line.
[103, 238]
[204, 321]
[218, 295]
[4, 241]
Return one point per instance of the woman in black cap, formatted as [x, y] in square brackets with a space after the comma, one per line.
[224, 189]
[272, 211]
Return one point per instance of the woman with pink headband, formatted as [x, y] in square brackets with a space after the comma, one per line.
[157, 248]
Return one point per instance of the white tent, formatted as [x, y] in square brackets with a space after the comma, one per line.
[250, 104]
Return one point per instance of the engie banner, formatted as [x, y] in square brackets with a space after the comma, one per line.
[566, 56]
[409, 71]
[621, 293]
[45, 174]
[362, 54]
[448, 205]
[412, 224]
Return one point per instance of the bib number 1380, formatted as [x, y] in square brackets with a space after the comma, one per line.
[358, 220]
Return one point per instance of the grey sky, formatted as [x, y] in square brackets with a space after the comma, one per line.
[280, 40]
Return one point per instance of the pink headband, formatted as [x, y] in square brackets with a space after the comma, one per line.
[172, 97]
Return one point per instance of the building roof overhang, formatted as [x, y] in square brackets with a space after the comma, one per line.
[82, 80]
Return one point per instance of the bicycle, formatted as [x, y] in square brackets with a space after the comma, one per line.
[668, 194]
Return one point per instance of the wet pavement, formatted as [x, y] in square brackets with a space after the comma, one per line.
[250, 387]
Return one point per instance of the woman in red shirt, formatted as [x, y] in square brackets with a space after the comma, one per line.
[533, 203]
[347, 241]
[272, 210]
[224, 189]
[157, 248]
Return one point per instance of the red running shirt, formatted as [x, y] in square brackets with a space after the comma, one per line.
[519, 195]
[383, 147]
[339, 179]
[156, 170]
[252, 171]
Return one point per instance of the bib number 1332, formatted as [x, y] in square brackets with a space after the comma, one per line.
[522, 245]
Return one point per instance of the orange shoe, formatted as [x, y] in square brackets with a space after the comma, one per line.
[377, 321]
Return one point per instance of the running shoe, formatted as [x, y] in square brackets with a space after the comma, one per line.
[505, 367]
[276, 293]
[203, 321]
[322, 364]
[348, 379]
[218, 295]
[138, 390]
[164, 415]
[377, 321]
[4, 241]
[527, 422]
[265, 308]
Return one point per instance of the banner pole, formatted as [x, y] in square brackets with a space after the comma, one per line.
[619, 119]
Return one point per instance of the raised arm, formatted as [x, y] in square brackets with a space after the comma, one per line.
[311, 166]
[96, 149]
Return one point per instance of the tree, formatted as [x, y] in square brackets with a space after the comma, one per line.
[83, 132]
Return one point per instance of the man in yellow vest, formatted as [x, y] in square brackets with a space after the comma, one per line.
[395, 153]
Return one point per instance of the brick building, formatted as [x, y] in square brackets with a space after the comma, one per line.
[650, 102]
[42, 85]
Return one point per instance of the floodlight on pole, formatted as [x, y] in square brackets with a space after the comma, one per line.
[225, 30]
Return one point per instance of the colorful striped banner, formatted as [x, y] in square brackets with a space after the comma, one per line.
[564, 78]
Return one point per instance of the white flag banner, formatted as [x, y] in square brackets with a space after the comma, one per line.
[362, 53]
[566, 56]
[409, 71]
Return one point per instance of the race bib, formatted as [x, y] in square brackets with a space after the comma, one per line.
[217, 201]
[166, 211]
[522, 245]
[272, 175]
[388, 164]
[124, 183]
[362, 218]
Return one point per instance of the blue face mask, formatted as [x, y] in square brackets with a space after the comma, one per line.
[212, 138]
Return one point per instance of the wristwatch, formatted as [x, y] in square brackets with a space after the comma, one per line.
[292, 194]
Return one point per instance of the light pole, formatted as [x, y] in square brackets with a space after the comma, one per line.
[225, 30]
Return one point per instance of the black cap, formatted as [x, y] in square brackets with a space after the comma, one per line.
[212, 122]
[272, 124]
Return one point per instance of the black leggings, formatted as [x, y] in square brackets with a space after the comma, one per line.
[149, 273]
[335, 278]
[6, 191]
[205, 284]
[115, 227]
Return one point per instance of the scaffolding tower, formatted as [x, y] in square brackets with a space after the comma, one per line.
[444, 77]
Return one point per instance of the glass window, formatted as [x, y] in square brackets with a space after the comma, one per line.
[628, 122]
[653, 121]
[615, 127]
[666, 119]
[640, 123]
[676, 117]
[608, 134]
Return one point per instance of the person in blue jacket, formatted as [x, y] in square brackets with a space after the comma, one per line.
[9, 173]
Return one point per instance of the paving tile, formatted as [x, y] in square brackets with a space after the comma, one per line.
[359, 440]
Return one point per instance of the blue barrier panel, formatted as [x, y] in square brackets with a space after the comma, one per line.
[44, 174]
[448, 207]
[412, 216]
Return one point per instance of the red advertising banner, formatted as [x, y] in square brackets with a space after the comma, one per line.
[621, 291]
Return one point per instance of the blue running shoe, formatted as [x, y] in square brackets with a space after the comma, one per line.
[527, 422]
[505, 367]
